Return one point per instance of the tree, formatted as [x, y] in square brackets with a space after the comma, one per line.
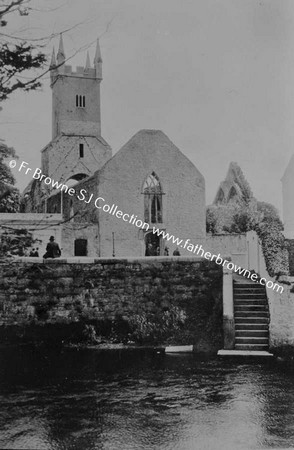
[17, 56]
[9, 195]
[15, 242]
[244, 215]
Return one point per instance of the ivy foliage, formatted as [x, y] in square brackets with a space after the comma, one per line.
[15, 242]
[9, 195]
[274, 244]
[244, 215]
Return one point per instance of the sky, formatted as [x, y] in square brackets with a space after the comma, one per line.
[217, 76]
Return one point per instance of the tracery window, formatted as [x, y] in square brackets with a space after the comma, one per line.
[152, 199]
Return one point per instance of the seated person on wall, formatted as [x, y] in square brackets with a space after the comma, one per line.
[52, 249]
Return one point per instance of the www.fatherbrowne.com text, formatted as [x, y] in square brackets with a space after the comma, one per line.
[100, 203]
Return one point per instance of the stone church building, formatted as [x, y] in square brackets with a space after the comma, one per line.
[149, 180]
[288, 193]
[233, 187]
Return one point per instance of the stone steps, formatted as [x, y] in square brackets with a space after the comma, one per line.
[251, 326]
[254, 347]
[247, 301]
[251, 319]
[244, 307]
[249, 296]
[249, 291]
[251, 340]
[251, 316]
[251, 333]
[248, 285]
[251, 313]
[256, 354]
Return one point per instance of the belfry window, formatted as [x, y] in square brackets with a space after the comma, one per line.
[80, 101]
[81, 148]
[152, 199]
[220, 196]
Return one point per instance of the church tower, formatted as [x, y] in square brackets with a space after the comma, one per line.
[75, 94]
[77, 149]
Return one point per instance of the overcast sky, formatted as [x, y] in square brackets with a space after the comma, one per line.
[217, 76]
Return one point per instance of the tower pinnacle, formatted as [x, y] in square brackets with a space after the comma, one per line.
[97, 58]
[60, 54]
[98, 61]
[53, 60]
[88, 63]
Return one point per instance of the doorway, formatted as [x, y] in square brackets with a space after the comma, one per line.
[153, 244]
[81, 247]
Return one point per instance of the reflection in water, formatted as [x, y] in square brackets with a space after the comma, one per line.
[133, 400]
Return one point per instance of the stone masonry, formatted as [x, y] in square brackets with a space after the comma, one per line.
[152, 300]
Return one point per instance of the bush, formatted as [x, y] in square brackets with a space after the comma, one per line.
[241, 216]
[90, 335]
[15, 242]
[148, 328]
[274, 247]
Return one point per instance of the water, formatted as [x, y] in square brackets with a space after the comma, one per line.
[131, 401]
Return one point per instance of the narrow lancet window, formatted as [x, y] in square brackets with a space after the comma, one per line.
[81, 150]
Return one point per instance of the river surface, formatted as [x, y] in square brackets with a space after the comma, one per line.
[123, 400]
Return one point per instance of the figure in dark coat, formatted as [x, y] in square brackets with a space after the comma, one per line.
[52, 249]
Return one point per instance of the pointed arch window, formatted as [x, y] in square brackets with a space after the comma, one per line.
[152, 199]
[232, 193]
[220, 196]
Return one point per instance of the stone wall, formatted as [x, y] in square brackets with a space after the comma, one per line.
[287, 193]
[282, 317]
[147, 300]
[234, 245]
